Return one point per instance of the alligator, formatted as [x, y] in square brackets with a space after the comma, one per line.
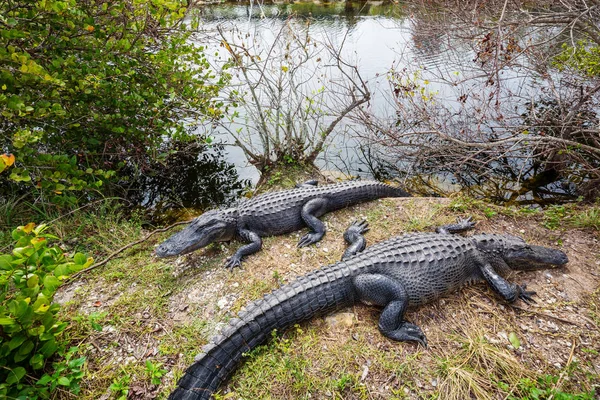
[273, 214]
[401, 272]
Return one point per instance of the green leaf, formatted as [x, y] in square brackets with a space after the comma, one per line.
[18, 307]
[514, 340]
[6, 321]
[64, 381]
[51, 283]
[49, 348]
[80, 258]
[44, 380]
[16, 341]
[5, 262]
[37, 361]
[15, 375]
[32, 281]
[26, 347]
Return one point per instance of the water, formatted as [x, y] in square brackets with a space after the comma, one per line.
[379, 37]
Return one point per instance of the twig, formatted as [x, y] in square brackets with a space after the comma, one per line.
[122, 249]
[546, 315]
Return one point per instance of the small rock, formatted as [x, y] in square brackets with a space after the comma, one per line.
[325, 250]
[434, 382]
[345, 319]
[222, 303]
[365, 372]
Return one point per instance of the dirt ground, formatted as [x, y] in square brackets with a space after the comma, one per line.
[140, 308]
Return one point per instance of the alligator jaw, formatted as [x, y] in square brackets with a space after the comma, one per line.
[204, 230]
[537, 257]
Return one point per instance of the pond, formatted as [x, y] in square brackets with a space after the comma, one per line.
[378, 37]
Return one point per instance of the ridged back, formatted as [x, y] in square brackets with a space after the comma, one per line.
[344, 193]
[314, 294]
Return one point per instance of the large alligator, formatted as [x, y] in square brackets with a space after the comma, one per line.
[274, 214]
[404, 271]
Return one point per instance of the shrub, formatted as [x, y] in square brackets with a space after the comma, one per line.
[87, 86]
[30, 333]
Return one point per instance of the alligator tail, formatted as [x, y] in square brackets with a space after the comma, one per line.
[316, 293]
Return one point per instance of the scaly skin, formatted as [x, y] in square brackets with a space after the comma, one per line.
[274, 214]
[409, 270]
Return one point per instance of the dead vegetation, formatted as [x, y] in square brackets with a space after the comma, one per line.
[138, 309]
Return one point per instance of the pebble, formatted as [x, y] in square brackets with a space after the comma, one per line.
[222, 303]
[365, 372]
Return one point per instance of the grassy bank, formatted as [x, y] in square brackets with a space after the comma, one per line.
[140, 320]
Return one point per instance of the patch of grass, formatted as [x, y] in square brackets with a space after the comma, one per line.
[588, 218]
[554, 216]
[472, 370]
[545, 387]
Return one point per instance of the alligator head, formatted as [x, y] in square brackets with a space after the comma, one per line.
[212, 226]
[513, 252]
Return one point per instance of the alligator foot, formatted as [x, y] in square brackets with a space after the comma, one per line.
[525, 295]
[309, 239]
[407, 332]
[461, 225]
[355, 229]
[233, 261]
[355, 239]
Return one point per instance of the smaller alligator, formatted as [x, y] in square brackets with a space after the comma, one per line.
[401, 272]
[273, 214]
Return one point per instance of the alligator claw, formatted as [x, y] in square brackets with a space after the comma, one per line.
[233, 261]
[309, 239]
[525, 295]
[466, 223]
[359, 227]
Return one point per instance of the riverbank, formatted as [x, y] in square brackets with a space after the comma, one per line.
[140, 320]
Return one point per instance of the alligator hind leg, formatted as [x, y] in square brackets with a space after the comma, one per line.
[310, 211]
[355, 239]
[251, 248]
[384, 291]
[461, 225]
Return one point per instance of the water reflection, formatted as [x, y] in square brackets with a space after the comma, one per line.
[191, 178]
[379, 37]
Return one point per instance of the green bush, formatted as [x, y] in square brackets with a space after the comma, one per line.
[30, 333]
[87, 86]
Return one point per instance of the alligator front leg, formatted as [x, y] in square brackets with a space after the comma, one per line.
[384, 291]
[461, 225]
[309, 212]
[508, 291]
[355, 239]
[255, 243]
